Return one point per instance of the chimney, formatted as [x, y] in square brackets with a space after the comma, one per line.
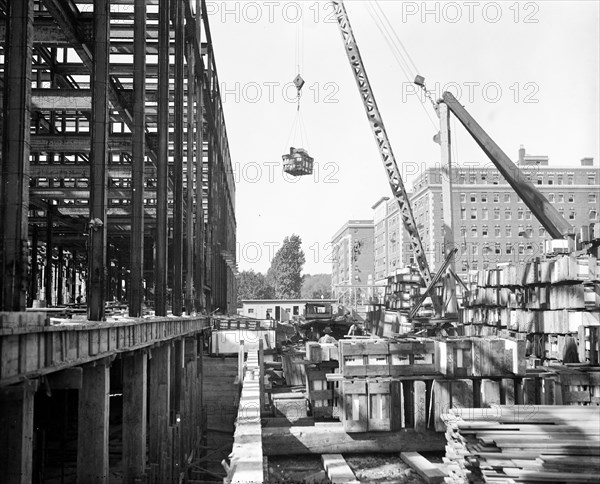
[588, 161]
[521, 155]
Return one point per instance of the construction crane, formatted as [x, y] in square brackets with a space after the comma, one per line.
[383, 144]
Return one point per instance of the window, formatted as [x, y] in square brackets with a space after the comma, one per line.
[591, 179]
[484, 231]
[463, 213]
[507, 198]
[250, 310]
[593, 214]
[592, 198]
[551, 198]
[496, 198]
[497, 231]
[542, 232]
[484, 213]
[507, 215]
[473, 214]
[473, 197]
[521, 249]
[529, 231]
[509, 231]
[540, 180]
[520, 215]
[559, 180]
[497, 249]
[474, 249]
[519, 200]
[296, 311]
[463, 231]
[496, 214]
[472, 178]
[561, 198]
[462, 179]
[527, 214]
[569, 179]
[473, 231]
[571, 197]
[463, 198]
[509, 248]
[571, 215]
[550, 181]
[484, 198]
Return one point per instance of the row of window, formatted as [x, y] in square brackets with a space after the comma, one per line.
[497, 231]
[538, 179]
[506, 197]
[521, 214]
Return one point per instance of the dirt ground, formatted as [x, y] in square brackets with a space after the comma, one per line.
[368, 468]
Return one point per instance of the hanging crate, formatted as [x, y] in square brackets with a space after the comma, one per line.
[297, 162]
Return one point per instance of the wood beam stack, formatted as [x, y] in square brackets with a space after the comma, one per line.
[512, 444]
[545, 302]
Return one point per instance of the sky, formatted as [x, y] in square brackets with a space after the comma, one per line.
[528, 72]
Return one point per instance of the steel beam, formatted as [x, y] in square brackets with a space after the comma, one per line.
[541, 208]
[178, 163]
[199, 232]
[189, 204]
[160, 292]
[136, 286]
[96, 296]
[14, 190]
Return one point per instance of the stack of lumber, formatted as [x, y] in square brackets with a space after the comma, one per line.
[512, 444]
[293, 368]
[550, 303]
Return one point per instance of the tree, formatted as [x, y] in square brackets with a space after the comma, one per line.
[285, 273]
[253, 285]
[315, 286]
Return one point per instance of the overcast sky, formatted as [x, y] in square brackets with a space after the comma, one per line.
[527, 71]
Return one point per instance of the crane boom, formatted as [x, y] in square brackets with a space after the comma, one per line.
[539, 205]
[383, 143]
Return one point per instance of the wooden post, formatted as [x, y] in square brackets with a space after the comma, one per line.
[261, 372]
[92, 430]
[135, 389]
[16, 437]
[159, 409]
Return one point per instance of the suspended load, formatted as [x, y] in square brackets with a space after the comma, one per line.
[297, 162]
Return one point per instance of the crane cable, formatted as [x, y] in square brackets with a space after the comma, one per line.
[399, 51]
[298, 128]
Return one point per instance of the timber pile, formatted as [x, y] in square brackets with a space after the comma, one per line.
[293, 363]
[553, 304]
[512, 444]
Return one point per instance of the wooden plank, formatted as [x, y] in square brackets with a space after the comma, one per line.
[328, 438]
[337, 469]
[428, 471]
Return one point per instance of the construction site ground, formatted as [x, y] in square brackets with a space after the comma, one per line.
[368, 468]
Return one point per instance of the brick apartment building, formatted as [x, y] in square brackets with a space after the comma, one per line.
[491, 223]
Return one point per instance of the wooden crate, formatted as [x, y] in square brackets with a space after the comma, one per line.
[385, 405]
[355, 406]
[319, 392]
[364, 358]
[412, 357]
[589, 344]
[454, 357]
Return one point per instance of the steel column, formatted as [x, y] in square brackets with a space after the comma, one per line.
[98, 158]
[136, 279]
[178, 162]
[60, 299]
[189, 204]
[14, 190]
[49, 250]
[160, 289]
[33, 277]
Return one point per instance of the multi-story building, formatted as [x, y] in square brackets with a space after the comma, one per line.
[391, 249]
[353, 261]
[491, 222]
